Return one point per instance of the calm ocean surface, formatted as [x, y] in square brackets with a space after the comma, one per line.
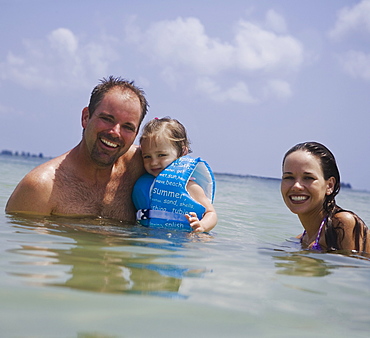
[249, 278]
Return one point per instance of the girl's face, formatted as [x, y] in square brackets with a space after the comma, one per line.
[157, 154]
[303, 186]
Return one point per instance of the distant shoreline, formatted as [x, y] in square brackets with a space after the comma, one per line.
[41, 156]
[342, 184]
[22, 154]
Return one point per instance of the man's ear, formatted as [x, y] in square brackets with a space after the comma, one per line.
[85, 117]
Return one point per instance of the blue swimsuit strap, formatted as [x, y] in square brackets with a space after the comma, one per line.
[316, 245]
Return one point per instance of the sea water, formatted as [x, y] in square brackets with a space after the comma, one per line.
[249, 277]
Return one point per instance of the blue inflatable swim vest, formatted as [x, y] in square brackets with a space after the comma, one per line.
[162, 201]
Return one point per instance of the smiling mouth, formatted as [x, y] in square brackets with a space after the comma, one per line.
[155, 171]
[298, 198]
[109, 143]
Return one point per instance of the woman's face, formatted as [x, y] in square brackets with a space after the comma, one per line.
[303, 186]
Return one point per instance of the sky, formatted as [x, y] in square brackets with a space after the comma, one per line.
[248, 78]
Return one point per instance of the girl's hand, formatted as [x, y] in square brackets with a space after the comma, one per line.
[209, 220]
[194, 222]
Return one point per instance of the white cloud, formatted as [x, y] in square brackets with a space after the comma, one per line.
[275, 22]
[60, 60]
[63, 40]
[351, 22]
[183, 42]
[356, 64]
[237, 93]
[352, 19]
[259, 49]
[14, 60]
[278, 88]
[183, 48]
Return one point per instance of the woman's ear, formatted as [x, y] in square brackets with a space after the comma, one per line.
[330, 185]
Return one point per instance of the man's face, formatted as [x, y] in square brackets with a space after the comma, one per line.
[113, 126]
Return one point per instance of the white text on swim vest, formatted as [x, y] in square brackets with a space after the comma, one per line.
[173, 199]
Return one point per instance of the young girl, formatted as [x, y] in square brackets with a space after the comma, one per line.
[309, 185]
[177, 192]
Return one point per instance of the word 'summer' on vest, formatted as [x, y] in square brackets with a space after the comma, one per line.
[163, 201]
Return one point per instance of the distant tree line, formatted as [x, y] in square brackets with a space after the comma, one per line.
[23, 154]
[342, 184]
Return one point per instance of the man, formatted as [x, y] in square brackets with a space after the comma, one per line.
[96, 177]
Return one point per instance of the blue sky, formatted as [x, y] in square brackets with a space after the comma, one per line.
[249, 79]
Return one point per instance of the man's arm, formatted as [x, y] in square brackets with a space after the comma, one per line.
[32, 195]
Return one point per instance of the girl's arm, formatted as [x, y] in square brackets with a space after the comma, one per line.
[209, 220]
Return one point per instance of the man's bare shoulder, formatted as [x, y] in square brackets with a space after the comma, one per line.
[133, 156]
[44, 174]
[32, 194]
[132, 162]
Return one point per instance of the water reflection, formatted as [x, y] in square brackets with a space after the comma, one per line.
[292, 260]
[102, 256]
[300, 265]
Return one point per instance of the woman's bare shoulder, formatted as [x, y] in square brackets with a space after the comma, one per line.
[345, 218]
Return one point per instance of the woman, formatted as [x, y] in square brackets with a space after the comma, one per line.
[309, 185]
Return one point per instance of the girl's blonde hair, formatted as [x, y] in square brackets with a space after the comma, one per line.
[171, 130]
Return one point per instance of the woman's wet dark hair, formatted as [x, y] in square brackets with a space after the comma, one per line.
[333, 235]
